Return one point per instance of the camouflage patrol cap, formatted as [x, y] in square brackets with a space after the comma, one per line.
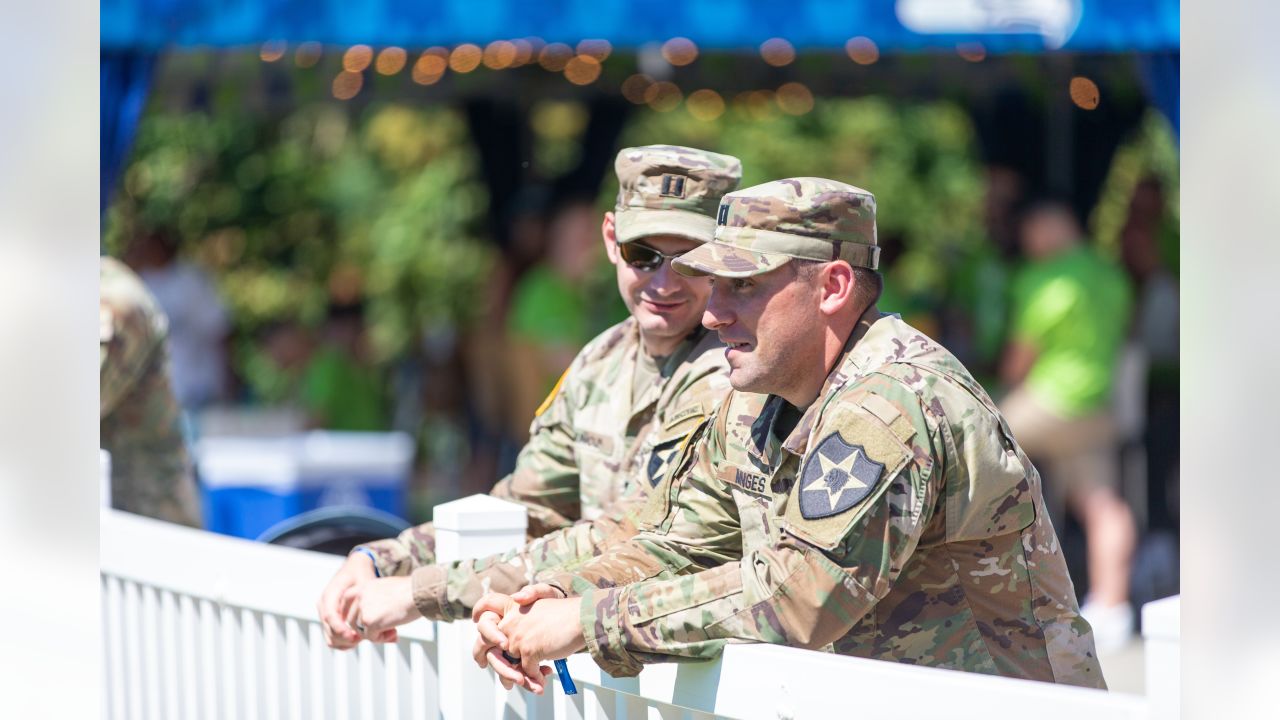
[764, 227]
[671, 190]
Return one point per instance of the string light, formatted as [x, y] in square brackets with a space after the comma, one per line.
[862, 50]
[582, 70]
[705, 105]
[271, 51]
[555, 56]
[465, 58]
[1084, 93]
[347, 84]
[679, 51]
[391, 61]
[307, 54]
[635, 87]
[500, 54]
[795, 99]
[663, 96]
[598, 50]
[777, 52]
[430, 67]
[357, 58]
[973, 52]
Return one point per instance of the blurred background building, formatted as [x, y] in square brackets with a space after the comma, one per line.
[384, 217]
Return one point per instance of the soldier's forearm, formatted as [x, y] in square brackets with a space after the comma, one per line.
[449, 592]
[401, 555]
[797, 600]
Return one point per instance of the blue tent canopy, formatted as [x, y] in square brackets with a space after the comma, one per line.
[894, 25]
[133, 32]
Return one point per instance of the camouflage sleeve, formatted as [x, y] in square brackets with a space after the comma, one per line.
[689, 523]
[545, 479]
[806, 590]
[401, 555]
[449, 592]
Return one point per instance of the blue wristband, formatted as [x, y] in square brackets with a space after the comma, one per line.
[372, 558]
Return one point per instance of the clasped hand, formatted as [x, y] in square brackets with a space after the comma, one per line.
[535, 624]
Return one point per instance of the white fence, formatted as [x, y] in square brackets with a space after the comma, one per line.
[205, 626]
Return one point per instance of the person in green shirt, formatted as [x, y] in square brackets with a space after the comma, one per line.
[1070, 311]
[341, 389]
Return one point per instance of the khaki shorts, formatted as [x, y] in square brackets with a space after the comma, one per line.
[1077, 454]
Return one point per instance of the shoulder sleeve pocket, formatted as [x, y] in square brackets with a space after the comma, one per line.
[849, 468]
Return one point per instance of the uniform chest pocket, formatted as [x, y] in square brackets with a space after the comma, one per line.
[668, 440]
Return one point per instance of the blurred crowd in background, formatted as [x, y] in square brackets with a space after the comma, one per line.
[432, 267]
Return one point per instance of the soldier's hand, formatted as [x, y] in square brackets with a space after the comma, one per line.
[548, 629]
[380, 605]
[490, 644]
[532, 593]
[337, 633]
[352, 614]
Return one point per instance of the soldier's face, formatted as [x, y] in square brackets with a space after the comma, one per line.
[771, 327]
[666, 304]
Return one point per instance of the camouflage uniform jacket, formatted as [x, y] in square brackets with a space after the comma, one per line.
[593, 446]
[139, 416]
[898, 520]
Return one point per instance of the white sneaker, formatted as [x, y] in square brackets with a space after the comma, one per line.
[1112, 626]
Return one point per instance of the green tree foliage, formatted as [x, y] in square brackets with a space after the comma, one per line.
[918, 158]
[287, 212]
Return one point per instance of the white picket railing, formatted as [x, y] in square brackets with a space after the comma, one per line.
[199, 625]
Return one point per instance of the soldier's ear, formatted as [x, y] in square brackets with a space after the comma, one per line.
[610, 236]
[838, 283]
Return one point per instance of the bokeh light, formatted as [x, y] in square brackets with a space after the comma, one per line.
[705, 104]
[430, 67]
[777, 52]
[597, 50]
[679, 51]
[272, 50]
[307, 54]
[347, 84]
[582, 70]
[555, 57]
[634, 87]
[524, 52]
[465, 58]
[357, 58]
[1084, 93]
[794, 99]
[862, 50]
[758, 104]
[500, 54]
[972, 51]
[663, 96]
[391, 61]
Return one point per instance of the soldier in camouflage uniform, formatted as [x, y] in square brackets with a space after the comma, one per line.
[139, 416]
[604, 436]
[875, 503]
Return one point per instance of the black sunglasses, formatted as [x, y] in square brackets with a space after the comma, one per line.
[643, 257]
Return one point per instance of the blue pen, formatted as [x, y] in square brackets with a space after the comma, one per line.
[566, 682]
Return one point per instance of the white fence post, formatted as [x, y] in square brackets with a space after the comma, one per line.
[472, 527]
[1160, 631]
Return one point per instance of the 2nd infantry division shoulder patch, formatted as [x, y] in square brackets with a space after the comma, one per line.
[836, 477]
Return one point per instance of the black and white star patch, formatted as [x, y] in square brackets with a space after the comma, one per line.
[836, 477]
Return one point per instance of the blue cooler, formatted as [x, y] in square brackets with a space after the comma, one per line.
[356, 468]
[251, 484]
[248, 484]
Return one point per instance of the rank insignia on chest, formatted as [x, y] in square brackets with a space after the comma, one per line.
[836, 477]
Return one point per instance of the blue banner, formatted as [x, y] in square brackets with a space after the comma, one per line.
[894, 25]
